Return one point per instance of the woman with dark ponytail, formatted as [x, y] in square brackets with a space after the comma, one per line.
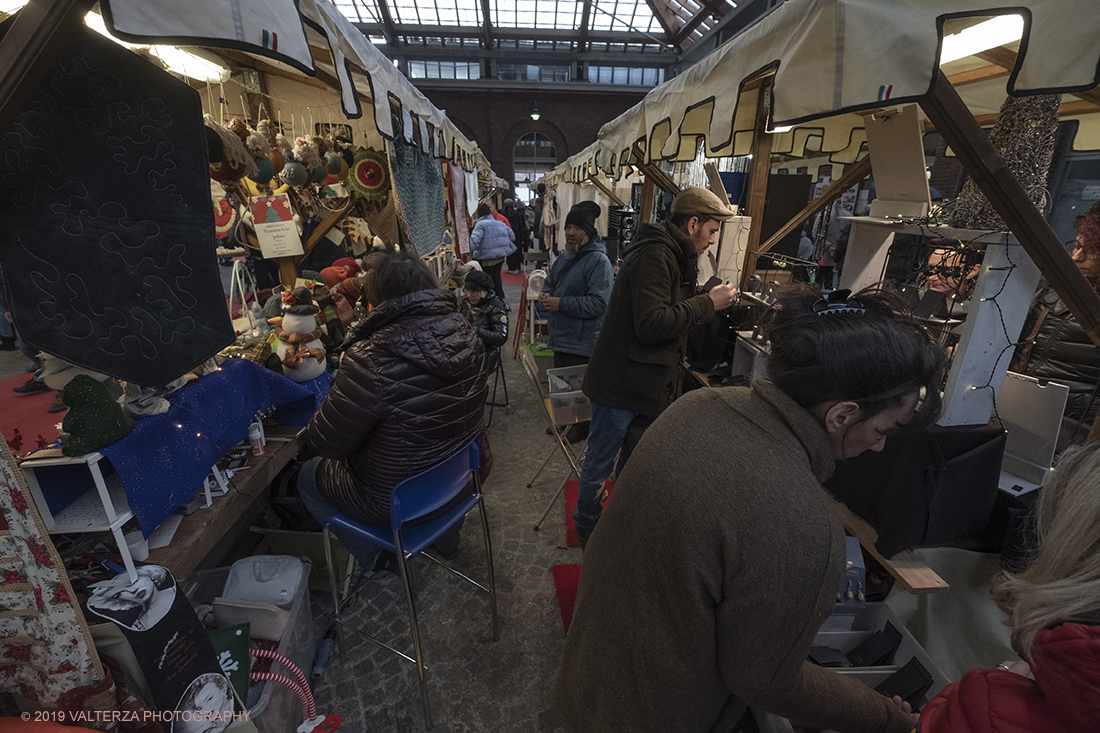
[719, 555]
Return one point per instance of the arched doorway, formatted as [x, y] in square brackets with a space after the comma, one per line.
[533, 156]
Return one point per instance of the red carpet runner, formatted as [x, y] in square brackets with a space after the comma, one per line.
[28, 413]
[568, 577]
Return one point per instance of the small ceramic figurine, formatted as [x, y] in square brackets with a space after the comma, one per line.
[300, 348]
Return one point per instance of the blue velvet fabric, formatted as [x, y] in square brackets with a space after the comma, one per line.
[164, 460]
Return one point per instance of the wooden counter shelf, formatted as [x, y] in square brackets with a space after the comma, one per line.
[910, 574]
[212, 531]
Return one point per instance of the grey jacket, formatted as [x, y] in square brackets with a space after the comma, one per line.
[584, 291]
[715, 562]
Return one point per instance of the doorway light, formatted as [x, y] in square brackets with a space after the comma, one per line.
[535, 113]
[988, 34]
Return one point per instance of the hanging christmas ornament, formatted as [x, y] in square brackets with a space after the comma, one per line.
[369, 176]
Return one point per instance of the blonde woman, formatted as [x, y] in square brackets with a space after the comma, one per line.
[1053, 608]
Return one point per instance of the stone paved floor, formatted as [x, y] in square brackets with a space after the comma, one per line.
[475, 684]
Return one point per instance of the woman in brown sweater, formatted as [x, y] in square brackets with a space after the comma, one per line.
[719, 555]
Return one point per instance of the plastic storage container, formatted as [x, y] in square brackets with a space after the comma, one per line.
[846, 629]
[568, 404]
[273, 707]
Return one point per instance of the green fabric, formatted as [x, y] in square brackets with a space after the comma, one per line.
[94, 420]
[231, 646]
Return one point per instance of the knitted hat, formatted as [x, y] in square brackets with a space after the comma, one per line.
[584, 216]
[478, 280]
[348, 262]
[299, 302]
[94, 420]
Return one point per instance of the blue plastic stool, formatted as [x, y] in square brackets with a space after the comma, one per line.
[412, 499]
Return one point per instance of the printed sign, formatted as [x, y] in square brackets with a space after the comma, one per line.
[275, 227]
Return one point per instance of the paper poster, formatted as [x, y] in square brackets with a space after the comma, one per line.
[275, 228]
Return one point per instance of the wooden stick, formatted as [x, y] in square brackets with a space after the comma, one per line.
[758, 182]
[606, 191]
[860, 170]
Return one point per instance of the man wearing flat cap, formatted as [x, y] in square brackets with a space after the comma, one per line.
[578, 288]
[635, 369]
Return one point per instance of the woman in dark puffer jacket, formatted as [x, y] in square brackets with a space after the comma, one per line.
[1054, 345]
[410, 391]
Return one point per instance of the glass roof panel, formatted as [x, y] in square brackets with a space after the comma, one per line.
[623, 15]
[618, 16]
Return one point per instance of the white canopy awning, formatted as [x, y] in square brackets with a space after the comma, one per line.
[281, 30]
[834, 58]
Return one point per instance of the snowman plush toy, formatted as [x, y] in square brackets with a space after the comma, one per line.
[300, 348]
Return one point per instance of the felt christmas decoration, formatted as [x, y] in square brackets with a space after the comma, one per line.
[257, 144]
[266, 170]
[94, 420]
[284, 147]
[238, 128]
[305, 152]
[319, 174]
[214, 145]
[265, 128]
[294, 174]
[278, 160]
[235, 155]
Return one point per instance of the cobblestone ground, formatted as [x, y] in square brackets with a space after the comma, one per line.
[475, 684]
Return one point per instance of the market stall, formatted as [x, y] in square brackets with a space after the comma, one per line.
[282, 129]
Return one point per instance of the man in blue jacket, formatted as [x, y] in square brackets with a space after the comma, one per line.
[578, 288]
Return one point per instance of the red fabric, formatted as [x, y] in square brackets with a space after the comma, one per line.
[571, 488]
[1064, 697]
[350, 263]
[566, 580]
[334, 275]
[501, 217]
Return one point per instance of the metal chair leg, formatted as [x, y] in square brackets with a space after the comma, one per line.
[539, 472]
[553, 501]
[489, 560]
[335, 593]
[414, 628]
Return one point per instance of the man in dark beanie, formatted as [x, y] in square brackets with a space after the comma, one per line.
[635, 371]
[577, 289]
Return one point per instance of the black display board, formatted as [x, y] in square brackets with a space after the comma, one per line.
[106, 223]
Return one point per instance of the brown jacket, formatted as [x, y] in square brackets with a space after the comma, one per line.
[636, 364]
[712, 567]
[410, 392]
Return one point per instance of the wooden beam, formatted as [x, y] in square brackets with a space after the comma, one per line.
[859, 170]
[689, 27]
[607, 191]
[758, 181]
[647, 202]
[1079, 107]
[31, 47]
[318, 82]
[1009, 199]
[1006, 59]
[653, 172]
[982, 73]
[330, 220]
[910, 573]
